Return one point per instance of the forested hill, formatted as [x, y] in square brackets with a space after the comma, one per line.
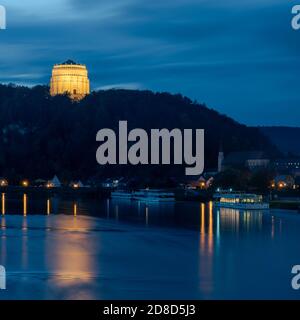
[41, 135]
[286, 139]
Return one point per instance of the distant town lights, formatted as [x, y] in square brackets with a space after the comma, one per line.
[282, 184]
[25, 183]
[49, 185]
[3, 183]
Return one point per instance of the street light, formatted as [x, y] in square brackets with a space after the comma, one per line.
[25, 183]
[3, 183]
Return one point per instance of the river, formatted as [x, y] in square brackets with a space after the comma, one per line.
[60, 248]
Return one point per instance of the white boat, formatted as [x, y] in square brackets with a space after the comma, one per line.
[121, 194]
[154, 195]
[244, 201]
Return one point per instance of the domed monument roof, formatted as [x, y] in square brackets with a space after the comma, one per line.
[71, 62]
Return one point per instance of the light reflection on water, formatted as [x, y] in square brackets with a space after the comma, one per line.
[3, 203]
[79, 249]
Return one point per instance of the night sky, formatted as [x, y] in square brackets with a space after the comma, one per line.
[240, 57]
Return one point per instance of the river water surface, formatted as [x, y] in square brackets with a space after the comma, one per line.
[55, 248]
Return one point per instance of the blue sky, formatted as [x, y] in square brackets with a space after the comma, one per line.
[240, 57]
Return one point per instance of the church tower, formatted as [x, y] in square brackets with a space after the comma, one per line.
[70, 77]
[220, 159]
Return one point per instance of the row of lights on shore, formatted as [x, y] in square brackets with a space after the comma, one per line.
[280, 185]
[283, 185]
[25, 184]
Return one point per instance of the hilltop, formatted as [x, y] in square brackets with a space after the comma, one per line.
[286, 139]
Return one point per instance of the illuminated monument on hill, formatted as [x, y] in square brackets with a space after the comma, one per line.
[70, 77]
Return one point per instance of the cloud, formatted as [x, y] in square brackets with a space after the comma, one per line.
[239, 57]
[128, 86]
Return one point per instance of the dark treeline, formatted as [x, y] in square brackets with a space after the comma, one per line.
[42, 135]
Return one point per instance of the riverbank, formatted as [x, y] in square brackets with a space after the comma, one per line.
[288, 204]
[90, 192]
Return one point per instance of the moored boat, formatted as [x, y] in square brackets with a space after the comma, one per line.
[244, 201]
[121, 194]
[154, 195]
